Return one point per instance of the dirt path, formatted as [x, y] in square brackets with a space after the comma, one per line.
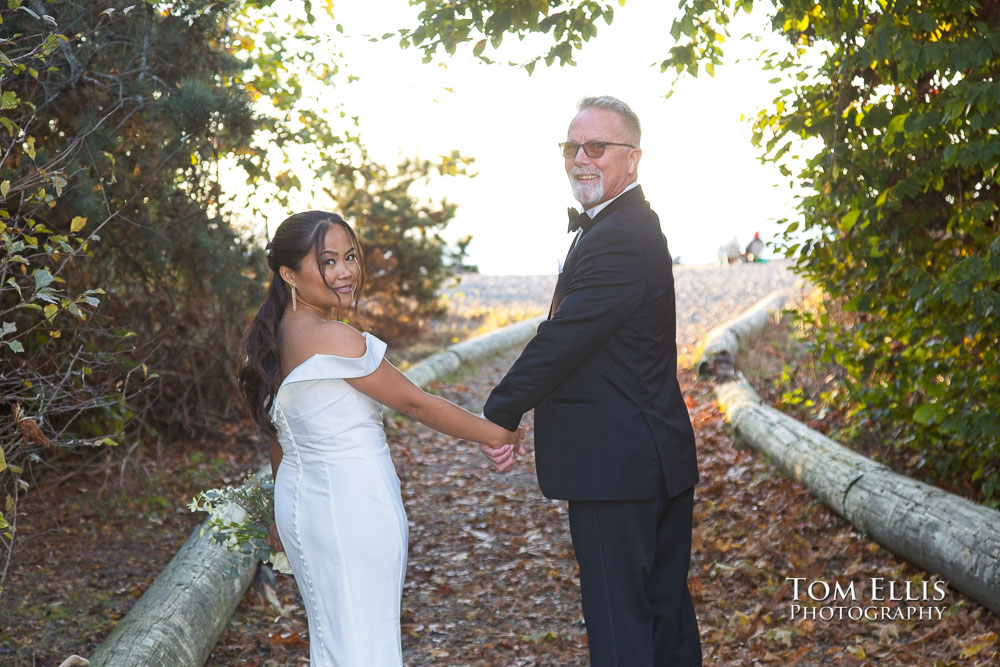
[492, 579]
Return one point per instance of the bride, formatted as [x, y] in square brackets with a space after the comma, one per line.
[317, 384]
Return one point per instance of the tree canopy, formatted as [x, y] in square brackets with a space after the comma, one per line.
[485, 23]
[900, 218]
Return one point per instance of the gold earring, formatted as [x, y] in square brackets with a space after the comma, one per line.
[293, 298]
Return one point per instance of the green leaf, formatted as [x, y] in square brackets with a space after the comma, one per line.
[42, 279]
[77, 224]
[13, 283]
[929, 413]
[8, 100]
[848, 220]
[896, 125]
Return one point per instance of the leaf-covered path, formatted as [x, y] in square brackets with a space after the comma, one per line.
[492, 579]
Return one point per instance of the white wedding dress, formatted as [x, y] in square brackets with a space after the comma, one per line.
[339, 512]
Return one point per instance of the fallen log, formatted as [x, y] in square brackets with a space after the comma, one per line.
[468, 351]
[494, 342]
[433, 367]
[181, 615]
[718, 353]
[179, 618]
[938, 531]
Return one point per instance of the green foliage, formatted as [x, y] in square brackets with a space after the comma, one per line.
[50, 377]
[699, 33]
[123, 286]
[486, 22]
[122, 121]
[239, 519]
[901, 222]
[406, 259]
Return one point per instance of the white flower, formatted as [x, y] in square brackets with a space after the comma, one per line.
[233, 513]
[238, 518]
[279, 562]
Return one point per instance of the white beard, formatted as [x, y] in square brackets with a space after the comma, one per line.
[587, 193]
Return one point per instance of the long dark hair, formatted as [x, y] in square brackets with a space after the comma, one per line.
[260, 355]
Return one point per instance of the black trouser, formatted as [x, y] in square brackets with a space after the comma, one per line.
[634, 558]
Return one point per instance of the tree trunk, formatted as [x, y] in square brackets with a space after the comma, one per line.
[718, 353]
[494, 342]
[433, 367]
[487, 345]
[938, 531]
[181, 615]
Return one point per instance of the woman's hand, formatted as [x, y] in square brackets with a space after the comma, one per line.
[273, 540]
[503, 457]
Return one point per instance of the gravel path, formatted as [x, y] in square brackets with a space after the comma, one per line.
[707, 295]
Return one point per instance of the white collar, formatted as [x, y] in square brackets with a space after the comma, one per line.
[600, 207]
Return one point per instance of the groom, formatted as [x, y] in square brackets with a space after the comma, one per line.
[612, 433]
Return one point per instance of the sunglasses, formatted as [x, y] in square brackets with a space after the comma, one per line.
[591, 148]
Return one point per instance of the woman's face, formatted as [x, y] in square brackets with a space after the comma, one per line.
[339, 263]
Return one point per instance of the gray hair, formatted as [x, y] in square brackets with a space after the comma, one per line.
[616, 105]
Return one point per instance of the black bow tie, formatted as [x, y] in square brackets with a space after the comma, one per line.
[576, 219]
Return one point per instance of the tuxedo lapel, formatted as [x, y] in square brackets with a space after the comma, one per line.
[632, 196]
[563, 277]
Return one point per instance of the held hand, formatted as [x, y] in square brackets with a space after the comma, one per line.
[502, 457]
[273, 540]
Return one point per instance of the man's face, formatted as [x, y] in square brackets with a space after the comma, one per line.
[596, 180]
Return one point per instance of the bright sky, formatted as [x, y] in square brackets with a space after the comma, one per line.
[698, 167]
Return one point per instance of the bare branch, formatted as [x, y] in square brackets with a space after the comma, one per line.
[74, 65]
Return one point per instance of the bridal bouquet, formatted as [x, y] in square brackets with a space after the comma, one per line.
[239, 518]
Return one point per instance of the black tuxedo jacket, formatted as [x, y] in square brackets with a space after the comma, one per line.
[601, 373]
